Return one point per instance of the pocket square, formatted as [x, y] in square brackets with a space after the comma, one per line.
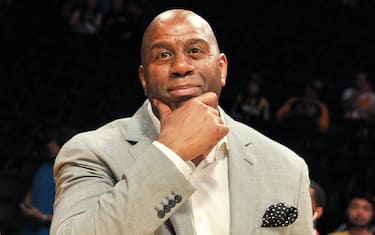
[279, 215]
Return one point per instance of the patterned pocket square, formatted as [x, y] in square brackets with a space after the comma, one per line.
[279, 215]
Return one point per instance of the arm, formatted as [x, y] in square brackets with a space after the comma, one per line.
[284, 111]
[89, 200]
[324, 117]
[32, 213]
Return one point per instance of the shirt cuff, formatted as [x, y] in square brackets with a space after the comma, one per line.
[172, 156]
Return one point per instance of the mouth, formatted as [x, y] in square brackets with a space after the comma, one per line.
[185, 90]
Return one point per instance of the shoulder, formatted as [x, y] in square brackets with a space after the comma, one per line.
[101, 141]
[103, 149]
[45, 168]
[108, 132]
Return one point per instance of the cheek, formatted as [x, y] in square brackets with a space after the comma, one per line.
[155, 88]
[156, 79]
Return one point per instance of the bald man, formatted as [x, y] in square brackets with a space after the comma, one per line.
[180, 164]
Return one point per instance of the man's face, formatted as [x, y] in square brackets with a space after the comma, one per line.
[359, 212]
[180, 61]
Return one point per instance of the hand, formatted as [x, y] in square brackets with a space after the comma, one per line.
[32, 212]
[193, 129]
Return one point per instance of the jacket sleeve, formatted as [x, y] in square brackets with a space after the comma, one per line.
[90, 200]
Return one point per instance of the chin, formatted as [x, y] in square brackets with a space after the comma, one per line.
[183, 100]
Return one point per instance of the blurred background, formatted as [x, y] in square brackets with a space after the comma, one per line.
[75, 62]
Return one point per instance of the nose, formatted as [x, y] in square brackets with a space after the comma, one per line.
[181, 66]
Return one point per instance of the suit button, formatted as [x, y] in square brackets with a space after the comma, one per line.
[171, 203]
[177, 198]
[161, 214]
[167, 208]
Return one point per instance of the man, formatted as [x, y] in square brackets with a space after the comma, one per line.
[180, 165]
[318, 199]
[307, 111]
[358, 100]
[359, 215]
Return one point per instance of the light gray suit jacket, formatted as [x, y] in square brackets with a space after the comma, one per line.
[113, 181]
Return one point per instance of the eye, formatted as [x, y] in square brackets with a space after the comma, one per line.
[164, 55]
[195, 50]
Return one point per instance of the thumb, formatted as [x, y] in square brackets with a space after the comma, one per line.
[162, 108]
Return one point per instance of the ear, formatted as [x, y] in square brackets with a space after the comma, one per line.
[318, 213]
[141, 75]
[223, 66]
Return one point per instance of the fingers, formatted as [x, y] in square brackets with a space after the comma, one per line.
[209, 98]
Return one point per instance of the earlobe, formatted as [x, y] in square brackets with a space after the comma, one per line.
[223, 80]
[223, 64]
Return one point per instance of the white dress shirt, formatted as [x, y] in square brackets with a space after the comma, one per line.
[210, 201]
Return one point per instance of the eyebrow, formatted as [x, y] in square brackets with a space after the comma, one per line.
[159, 45]
[164, 44]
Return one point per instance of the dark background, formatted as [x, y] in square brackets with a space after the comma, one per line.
[51, 77]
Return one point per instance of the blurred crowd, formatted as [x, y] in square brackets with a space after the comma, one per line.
[329, 122]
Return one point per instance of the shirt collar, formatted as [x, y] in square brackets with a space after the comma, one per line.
[221, 145]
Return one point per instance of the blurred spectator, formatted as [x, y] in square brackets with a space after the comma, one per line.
[86, 18]
[250, 104]
[38, 203]
[358, 101]
[318, 199]
[67, 8]
[349, 3]
[359, 212]
[117, 22]
[307, 110]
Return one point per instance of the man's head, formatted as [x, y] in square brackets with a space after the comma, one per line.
[318, 200]
[180, 58]
[360, 210]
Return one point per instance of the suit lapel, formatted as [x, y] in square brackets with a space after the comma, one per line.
[140, 126]
[242, 180]
[241, 175]
[142, 133]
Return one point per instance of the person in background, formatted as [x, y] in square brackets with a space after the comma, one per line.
[37, 207]
[358, 101]
[180, 165]
[86, 19]
[359, 214]
[318, 199]
[250, 104]
[307, 110]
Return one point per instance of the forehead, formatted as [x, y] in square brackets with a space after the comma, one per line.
[179, 27]
[360, 201]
